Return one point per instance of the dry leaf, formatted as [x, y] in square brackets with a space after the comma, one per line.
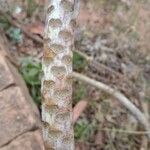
[78, 109]
[36, 28]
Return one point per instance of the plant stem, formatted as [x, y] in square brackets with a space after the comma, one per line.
[57, 81]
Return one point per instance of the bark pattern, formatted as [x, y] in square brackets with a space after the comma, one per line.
[57, 81]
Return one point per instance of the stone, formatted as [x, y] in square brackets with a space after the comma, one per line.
[6, 77]
[16, 115]
[20, 124]
[27, 141]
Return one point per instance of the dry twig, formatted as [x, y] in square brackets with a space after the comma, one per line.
[120, 97]
[125, 131]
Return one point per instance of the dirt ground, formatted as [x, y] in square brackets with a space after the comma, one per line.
[115, 34]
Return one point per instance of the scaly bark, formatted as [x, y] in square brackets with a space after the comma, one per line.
[57, 81]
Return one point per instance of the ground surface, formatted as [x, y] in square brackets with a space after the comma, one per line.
[116, 34]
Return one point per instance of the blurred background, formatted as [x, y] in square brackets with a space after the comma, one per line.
[112, 45]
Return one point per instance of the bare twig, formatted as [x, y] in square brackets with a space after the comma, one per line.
[125, 131]
[56, 104]
[85, 56]
[98, 66]
[120, 97]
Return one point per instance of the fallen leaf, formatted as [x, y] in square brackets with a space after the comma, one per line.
[99, 138]
[81, 146]
[78, 109]
[36, 28]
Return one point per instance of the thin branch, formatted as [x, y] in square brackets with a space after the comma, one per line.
[85, 56]
[97, 65]
[120, 97]
[56, 86]
[125, 131]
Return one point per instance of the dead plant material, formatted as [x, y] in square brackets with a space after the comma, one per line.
[78, 109]
[120, 97]
[17, 24]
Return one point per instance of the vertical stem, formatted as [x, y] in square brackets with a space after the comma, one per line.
[57, 81]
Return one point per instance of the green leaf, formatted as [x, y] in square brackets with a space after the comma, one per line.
[79, 63]
[80, 92]
[84, 130]
[4, 23]
[31, 72]
[31, 7]
[15, 34]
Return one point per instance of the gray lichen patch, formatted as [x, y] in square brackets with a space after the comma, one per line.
[67, 5]
[62, 94]
[55, 23]
[50, 9]
[57, 48]
[47, 61]
[48, 53]
[67, 59]
[58, 70]
[67, 139]
[54, 132]
[68, 79]
[45, 124]
[73, 23]
[48, 84]
[63, 116]
[65, 35]
[62, 98]
[51, 104]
